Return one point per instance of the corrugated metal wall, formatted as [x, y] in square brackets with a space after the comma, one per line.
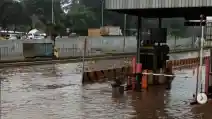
[129, 4]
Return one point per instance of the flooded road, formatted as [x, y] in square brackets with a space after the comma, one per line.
[55, 92]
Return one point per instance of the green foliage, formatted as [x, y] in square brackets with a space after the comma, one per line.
[80, 15]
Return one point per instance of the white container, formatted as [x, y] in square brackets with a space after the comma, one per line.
[112, 30]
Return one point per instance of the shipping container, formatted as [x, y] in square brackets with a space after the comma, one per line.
[31, 50]
[43, 49]
[94, 32]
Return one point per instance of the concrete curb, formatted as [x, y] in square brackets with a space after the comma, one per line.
[27, 62]
[68, 60]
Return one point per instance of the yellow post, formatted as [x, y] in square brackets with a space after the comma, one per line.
[56, 52]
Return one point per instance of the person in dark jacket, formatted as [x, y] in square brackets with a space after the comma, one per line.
[116, 83]
[169, 79]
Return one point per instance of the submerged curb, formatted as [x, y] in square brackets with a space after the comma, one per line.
[36, 61]
[68, 60]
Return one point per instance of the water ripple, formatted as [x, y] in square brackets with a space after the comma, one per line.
[55, 92]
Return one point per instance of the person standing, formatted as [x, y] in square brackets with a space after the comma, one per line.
[169, 79]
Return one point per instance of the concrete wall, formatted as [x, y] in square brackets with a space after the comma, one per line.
[74, 46]
[12, 50]
[116, 43]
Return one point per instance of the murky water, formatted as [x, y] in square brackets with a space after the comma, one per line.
[55, 92]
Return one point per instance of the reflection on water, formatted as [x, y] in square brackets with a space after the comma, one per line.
[55, 92]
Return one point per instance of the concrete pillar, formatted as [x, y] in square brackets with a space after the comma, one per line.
[161, 79]
[150, 79]
[210, 75]
[138, 60]
[155, 70]
[159, 22]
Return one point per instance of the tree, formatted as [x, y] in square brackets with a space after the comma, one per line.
[79, 17]
[12, 14]
[110, 18]
[42, 9]
[174, 25]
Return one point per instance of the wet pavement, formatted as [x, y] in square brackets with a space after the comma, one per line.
[56, 92]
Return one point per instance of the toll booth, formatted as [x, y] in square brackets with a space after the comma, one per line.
[154, 49]
[157, 9]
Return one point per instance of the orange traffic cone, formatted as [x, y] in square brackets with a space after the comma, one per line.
[144, 83]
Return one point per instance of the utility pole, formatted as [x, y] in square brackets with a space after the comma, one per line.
[53, 35]
[102, 14]
[52, 11]
[125, 21]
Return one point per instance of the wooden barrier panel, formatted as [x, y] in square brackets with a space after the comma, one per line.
[207, 71]
[100, 75]
[183, 62]
[123, 70]
[118, 71]
[179, 62]
[126, 70]
[92, 76]
[106, 74]
[111, 74]
[85, 77]
[189, 62]
[168, 63]
[174, 63]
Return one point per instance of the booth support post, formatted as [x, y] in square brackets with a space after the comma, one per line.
[138, 58]
[210, 77]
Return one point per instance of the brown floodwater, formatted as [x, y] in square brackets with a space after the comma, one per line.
[55, 92]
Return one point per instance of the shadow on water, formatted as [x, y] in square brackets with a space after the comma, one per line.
[54, 91]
